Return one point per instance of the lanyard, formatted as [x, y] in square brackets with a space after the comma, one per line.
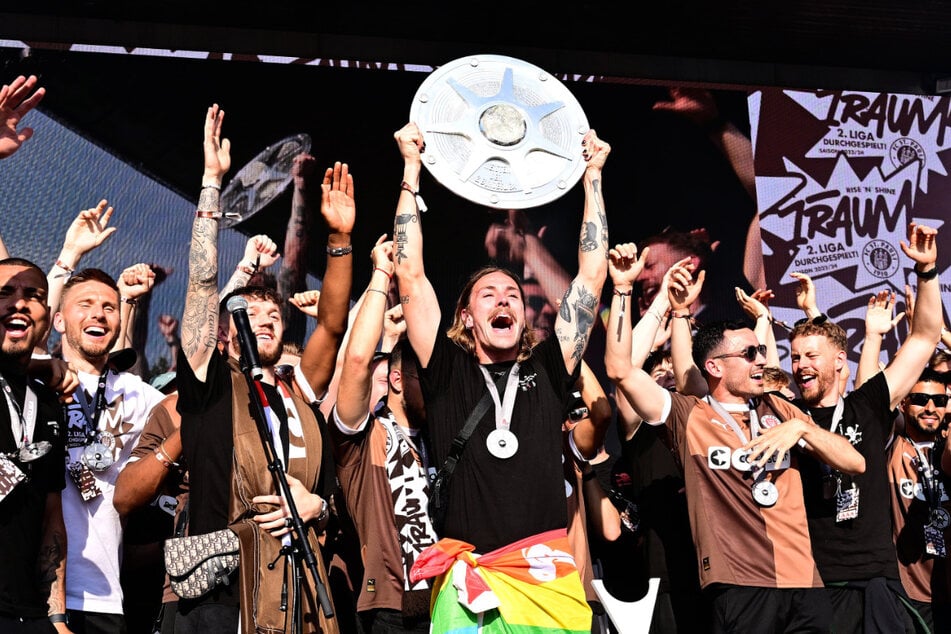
[506, 405]
[729, 420]
[23, 423]
[836, 420]
[99, 405]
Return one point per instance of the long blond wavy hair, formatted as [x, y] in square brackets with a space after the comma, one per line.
[463, 337]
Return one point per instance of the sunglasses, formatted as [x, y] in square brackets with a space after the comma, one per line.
[749, 353]
[815, 321]
[921, 399]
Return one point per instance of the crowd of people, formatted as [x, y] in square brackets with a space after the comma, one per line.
[409, 471]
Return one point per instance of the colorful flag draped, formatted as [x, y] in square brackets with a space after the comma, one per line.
[531, 587]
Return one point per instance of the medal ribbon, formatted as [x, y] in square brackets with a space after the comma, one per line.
[92, 414]
[22, 423]
[758, 473]
[506, 405]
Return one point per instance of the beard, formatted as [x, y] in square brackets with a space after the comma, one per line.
[268, 355]
[90, 350]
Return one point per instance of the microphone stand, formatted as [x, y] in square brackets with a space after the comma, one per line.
[299, 531]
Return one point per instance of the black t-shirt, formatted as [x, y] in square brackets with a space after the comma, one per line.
[861, 548]
[21, 512]
[492, 501]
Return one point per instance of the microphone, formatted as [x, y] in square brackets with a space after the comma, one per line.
[238, 307]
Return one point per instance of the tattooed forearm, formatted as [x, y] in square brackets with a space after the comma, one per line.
[209, 199]
[589, 237]
[52, 570]
[584, 312]
[564, 310]
[400, 237]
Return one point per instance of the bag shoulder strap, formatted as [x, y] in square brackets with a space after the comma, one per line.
[459, 442]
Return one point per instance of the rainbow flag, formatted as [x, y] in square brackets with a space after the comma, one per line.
[529, 587]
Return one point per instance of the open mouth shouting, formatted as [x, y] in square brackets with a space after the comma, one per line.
[502, 321]
[17, 326]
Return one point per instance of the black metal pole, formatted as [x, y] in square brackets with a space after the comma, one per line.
[277, 471]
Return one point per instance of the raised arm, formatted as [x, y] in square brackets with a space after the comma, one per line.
[420, 305]
[16, 99]
[339, 210]
[644, 395]
[757, 308]
[200, 319]
[260, 253]
[683, 291]
[578, 310]
[88, 230]
[913, 355]
[878, 322]
[353, 392]
[806, 295]
[134, 283]
[292, 276]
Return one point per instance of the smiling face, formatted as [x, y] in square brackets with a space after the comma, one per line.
[733, 378]
[495, 315]
[24, 314]
[922, 422]
[89, 322]
[816, 364]
[267, 326]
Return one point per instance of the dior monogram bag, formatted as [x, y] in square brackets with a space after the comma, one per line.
[196, 564]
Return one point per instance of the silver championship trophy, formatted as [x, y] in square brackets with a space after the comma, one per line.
[500, 132]
[262, 180]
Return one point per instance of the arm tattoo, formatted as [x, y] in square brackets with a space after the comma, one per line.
[589, 233]
[400, 238]
[209, 199]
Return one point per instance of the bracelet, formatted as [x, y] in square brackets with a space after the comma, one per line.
[384, 272]
[622, 293]
[249, 270]
[684, 316]
[167, 455]
[415, 192]
[131, 301]
[161, 457]
[218, 187]
[58, 618]
[213, 215]
[68, 269]
[930, 274]
[590, 475]
[336, 252]
[376, 290]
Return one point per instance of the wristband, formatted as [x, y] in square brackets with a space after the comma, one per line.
[622, 293]
[384, 272]
[213, 215]
[684, 316]
[376, 290]
[218, 187]
[131, 301]
[415, 192]
[68, 269]
[58, 618]
[167, 455]
[336, 252]
[930, 274]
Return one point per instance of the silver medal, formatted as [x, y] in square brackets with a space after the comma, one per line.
[34, 450]
[765, 493]
[97, 456]
[940, 518]
[502, 443]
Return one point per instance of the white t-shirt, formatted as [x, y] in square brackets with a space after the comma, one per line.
[93, 528]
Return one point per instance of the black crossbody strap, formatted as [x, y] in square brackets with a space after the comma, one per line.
[459, 442]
